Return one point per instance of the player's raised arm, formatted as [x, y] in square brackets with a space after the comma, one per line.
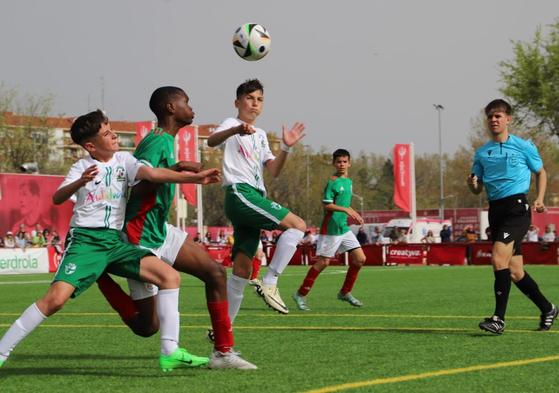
[217, 138]
[64, 193]
[164, 175]
[289, 139]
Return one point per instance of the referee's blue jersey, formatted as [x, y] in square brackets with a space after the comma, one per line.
[504, 168]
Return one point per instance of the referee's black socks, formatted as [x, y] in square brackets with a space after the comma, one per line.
[530, 288]
[502, 290]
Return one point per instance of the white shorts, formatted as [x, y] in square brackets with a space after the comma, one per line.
[329, 245]
[168, 252]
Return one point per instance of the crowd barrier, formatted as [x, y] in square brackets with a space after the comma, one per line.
[44, 260]
[412, 254]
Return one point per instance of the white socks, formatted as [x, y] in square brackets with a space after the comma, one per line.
[167, 303]
[235, 292]
[25, 324]
[285, 249]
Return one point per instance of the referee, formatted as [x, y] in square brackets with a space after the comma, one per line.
[504, 165]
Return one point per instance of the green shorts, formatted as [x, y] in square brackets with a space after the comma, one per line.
[89, 252]
[250, 212]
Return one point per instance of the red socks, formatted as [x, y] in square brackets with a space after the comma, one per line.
[221, 324]
[308, 282]
[350, 278]
[119, 300]
[256, 263]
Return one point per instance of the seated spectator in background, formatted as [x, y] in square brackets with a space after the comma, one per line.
[55, 242]
[208, 238]
[197, 238]
[394, 235]
[428, 238]
[549, 235]
[362, 237]
[22, 237]
[445, 234]
[47, 235]
[470, 234]
[221, 239]
[532, 234]
[488, 233]
[264, 237]
[376, 237]
[275, 237]
[402, 238]
[35, 231]
[9, 240]
[38, 240]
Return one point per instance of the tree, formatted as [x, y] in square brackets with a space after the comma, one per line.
[531, 80]
[31, 140]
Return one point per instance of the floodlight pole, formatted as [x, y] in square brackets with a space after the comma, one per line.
[439, 108]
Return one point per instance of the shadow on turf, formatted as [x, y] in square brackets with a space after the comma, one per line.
[11, 370]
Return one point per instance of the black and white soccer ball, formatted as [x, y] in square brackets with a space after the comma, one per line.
[251, 41]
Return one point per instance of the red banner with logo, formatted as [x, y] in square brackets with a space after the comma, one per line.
[188, 144]
[540, 253]
[27, 200]
[142, 129]
[402, 176]
[374, 254]
[480, 253]
[405, 254]
[446, 254]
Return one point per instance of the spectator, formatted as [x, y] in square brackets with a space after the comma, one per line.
[9, 240]
[197, 238]
[22, 237]
[532, 234]
[549, 235]
[429, 238]
[445, 234]
[55, 242]
[275, 237]
[309, 239]
[470, 234]
[376, 237]
[394, 235]
[35, 231]
[362, 237]
[221, 239]
[488, 233]
[208, 238]
[264, 237]
[402, 236]
[38, 240]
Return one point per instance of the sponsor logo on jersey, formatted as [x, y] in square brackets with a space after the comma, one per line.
[120, 174]
[70, 268]
[275, 205]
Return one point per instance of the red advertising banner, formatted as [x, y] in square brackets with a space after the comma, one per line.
[540, 253]
[27, 200]
[374, 254]
[402, 177]
[188, 144]
[446, 254]
[405, 254]
[480, 253]
[142, 129]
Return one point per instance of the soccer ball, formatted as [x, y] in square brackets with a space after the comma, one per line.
[251, 41]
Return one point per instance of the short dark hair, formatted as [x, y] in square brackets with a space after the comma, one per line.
[340, 153]
[87, 126]
[249, 86]
[498, 104]
[161, 97]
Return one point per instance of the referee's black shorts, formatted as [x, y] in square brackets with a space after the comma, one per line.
[509, 219]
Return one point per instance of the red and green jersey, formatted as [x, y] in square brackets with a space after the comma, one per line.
[338, 191]
[148, 206]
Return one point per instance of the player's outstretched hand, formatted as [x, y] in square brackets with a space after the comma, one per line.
[89, 174]
[210, 176]
[245, 129]
[188, 166]
[353, 214]
[539, 206]
[294, 135]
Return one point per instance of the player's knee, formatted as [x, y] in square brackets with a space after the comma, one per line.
[171, 279]
[53, 304]
[516, 275]
[145, 330]
[360, 260]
